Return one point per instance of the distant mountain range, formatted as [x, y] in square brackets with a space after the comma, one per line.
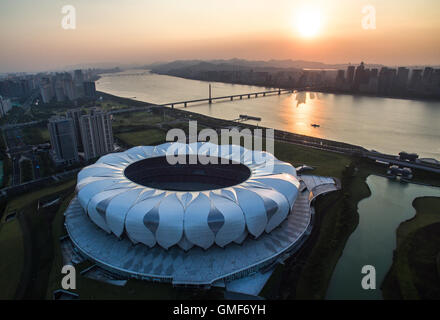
[229, 65]
[240, 64]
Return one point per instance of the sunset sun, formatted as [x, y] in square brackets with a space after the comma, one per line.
[307, 22]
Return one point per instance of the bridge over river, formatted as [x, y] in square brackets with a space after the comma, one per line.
[231, 97]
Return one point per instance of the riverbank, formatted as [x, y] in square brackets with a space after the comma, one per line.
[309, 141]
[312, 89]
[216, 123]
[415, 272]
[386, 125]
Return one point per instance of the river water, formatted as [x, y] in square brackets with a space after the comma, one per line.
[373, 241]
[382, 124]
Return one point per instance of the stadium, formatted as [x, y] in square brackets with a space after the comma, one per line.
[221, 214]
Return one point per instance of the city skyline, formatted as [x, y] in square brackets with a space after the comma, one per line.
[146, 32]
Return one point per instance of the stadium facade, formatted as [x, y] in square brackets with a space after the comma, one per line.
[221, 213]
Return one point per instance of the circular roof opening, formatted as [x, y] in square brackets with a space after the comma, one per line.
[158, 173]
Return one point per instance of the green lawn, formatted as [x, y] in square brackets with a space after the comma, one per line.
[7, 168]
[142, 137]
[46, 165]
[26, 245]
[325, 163]
[111, 105]
[26, 199]
[35, 135]
[11, 257]
[139, 119]
[428, 212]
[414, 273]
[54, 279]
[26, 171]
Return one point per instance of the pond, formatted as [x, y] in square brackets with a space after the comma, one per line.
[374, 240]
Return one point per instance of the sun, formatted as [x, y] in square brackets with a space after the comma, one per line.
[308, 22]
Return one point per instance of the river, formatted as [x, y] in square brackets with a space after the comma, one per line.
[382, 124]
[374, 240]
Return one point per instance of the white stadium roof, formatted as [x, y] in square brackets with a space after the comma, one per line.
[162, 217]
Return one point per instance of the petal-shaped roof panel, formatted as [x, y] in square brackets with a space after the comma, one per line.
[196, 225]
[118, 208]
[170, 228]
[283, 184]
[233, 220]
[142, 220]
[117, 159]
[98, 205]
[92, 188]
[254, 210]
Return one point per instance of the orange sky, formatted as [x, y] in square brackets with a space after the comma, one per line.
[136, 31]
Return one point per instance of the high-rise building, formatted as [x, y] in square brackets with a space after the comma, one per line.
[370, 81]
[416, 80]
[46, 90]
[89, 89]
[79, 90]
[96, 134]
[350, 74]
[62, 138]
[47, 93]
[436, 80]
[373, 84]
[69, 89]
[431, 81]
[401, 80]
[402, 76]
[25, 87]
[59, 91]
[75, 115]
[78, 84]
[5, 106]
[364, 83]
[427, 75]
[386, 80]
[358, 76]
[340, 79]
[78, 76]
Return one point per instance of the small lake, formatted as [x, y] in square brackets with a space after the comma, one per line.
[373, 241]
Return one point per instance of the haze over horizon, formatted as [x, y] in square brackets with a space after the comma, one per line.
[143, 32]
